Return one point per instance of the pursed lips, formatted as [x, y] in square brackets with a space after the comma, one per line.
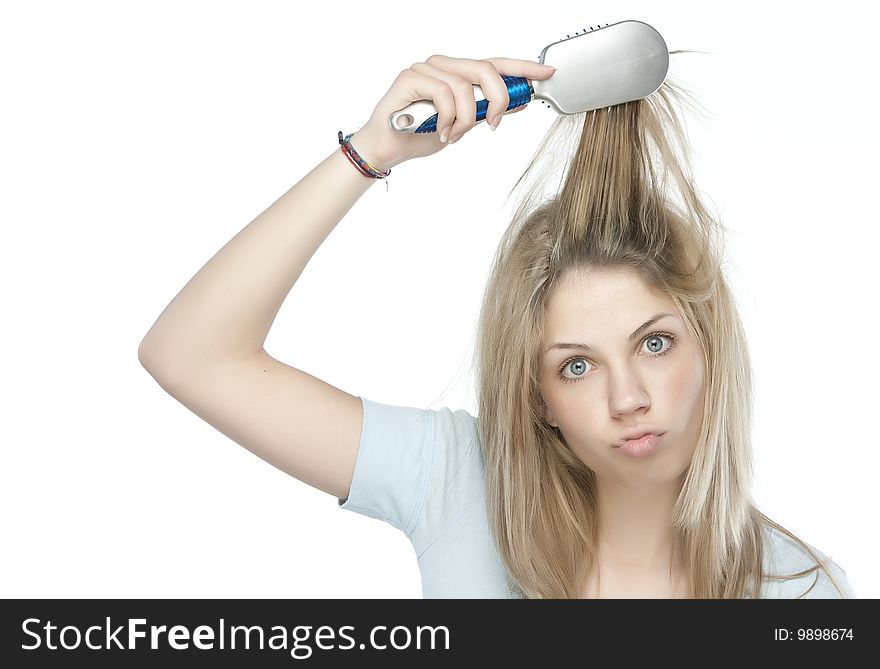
[638, 433]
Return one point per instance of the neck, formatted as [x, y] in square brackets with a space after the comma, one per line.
[636, 543]
[635, 531]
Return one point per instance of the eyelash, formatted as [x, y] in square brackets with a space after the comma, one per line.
[672, 345]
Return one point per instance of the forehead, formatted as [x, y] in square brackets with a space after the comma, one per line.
[603, 300]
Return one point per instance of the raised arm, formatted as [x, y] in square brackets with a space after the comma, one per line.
[206, 347]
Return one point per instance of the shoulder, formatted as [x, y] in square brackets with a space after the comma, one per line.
[439, 425]
[784, 557]
[457, 473]
[406, 457]
[421, 469]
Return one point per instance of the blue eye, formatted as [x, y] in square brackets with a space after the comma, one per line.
[580, 363]
[655, 349]
[655, 343]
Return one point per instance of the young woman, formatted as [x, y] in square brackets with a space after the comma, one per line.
[610, 456]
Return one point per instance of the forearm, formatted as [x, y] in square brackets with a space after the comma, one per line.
[226, 310]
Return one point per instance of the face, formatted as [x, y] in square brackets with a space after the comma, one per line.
[633, 376]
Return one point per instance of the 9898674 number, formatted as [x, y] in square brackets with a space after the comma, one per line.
[813, 634]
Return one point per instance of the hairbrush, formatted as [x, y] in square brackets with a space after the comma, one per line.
[600, 67]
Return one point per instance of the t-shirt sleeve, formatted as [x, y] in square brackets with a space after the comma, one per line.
[419, 470]
[392, 466]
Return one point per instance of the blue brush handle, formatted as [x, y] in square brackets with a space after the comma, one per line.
[424, 114]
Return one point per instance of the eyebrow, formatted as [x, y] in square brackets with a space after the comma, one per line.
[648, 323]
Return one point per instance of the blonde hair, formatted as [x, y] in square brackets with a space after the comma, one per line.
[626, 199]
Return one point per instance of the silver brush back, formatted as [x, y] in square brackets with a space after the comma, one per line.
[602, 67]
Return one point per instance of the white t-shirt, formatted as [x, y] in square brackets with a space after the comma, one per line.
[421, 470]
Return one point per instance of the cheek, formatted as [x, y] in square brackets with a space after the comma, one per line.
[568, 404]
[581, 411]
[685, 383]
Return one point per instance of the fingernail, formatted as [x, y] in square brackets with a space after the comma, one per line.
[549, 67]
[495, 121]
[455, 139]
[444, 135]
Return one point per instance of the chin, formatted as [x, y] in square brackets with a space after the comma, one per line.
[664, 467]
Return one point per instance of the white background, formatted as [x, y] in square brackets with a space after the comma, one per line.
[138, 138]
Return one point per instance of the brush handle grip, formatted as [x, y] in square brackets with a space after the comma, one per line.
[423, 114]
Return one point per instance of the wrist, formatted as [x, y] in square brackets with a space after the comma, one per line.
[370, 150]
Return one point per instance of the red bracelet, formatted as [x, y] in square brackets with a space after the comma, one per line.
[362, 165]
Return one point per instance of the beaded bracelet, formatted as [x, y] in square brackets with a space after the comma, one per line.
[362, 165]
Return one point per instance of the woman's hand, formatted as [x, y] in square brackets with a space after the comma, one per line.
[448, 83]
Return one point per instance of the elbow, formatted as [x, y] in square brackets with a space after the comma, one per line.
[144, 354]
[150, 357]
[157, 366]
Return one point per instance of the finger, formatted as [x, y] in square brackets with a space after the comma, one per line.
[463, 94]
[420, 86]
[514, 67]
[528, 69]
[480, 72]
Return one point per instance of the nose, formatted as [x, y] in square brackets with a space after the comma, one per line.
[627, 393]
